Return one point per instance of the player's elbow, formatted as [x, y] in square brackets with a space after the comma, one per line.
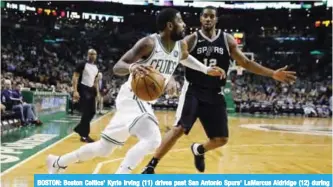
[244, 63]
[119, 70]
[115, 68]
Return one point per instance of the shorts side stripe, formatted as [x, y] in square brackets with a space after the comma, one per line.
[107, 138]
[140, 106]
[143, 107]
[134, 122]
[152, 119]
[181, 101]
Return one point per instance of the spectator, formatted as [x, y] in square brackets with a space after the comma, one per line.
[13, 101]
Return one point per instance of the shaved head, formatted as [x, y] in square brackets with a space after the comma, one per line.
[92, 55]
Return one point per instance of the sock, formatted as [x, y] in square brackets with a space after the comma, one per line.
[198, 149]
[201, 149]
[153, 162]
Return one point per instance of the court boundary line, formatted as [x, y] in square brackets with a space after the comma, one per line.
[100, 164]
[50, 146]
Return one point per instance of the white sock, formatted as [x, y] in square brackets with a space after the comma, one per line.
[195, 149]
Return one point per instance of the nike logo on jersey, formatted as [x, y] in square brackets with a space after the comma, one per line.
[199, 41]
[164, 66]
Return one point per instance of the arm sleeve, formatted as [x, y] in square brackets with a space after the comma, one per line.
[193, 63]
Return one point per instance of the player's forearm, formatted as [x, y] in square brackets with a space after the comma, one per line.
[75, 80]
[121, 68]
[258, 69]
[193, 63]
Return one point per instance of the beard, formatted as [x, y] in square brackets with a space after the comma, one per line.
[176, 36]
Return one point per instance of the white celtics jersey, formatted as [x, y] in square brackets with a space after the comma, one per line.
[163, 61]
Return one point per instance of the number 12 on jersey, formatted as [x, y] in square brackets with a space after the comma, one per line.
[210, 62]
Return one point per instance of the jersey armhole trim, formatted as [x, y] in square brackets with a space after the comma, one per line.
[195, 42]
[180, 51]
[226, 42]
[151, 54]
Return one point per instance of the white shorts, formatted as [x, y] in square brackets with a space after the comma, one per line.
[129, 110]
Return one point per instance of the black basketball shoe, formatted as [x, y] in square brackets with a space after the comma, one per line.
[148, 170]
[199, 159]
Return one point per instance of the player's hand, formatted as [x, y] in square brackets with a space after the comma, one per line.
[76, 96]
[139, 69]
[284, 76]
[216, 71]
[171, 88]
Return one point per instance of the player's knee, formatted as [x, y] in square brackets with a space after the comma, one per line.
[154, 142]
[221, 141]
[177, 132]
[105, 148]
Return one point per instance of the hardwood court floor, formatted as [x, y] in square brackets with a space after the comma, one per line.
[256, 145]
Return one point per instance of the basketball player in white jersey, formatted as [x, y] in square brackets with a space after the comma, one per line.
[161, 51]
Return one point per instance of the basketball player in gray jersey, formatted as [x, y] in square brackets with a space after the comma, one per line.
[202, 96]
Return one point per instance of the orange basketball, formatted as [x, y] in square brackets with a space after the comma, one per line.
[149, 87]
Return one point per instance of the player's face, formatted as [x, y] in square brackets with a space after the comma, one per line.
[178, 29]
[208, 19]
[92, 55]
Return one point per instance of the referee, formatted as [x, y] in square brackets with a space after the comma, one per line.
[86, 89]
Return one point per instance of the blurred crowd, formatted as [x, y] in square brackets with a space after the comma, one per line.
[40, 52]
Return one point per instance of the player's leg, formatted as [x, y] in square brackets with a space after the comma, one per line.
[115, 134]
[87, 104]
[186, 115]
[214, 120]
[100, 148]
[101, 104]
[146, 129]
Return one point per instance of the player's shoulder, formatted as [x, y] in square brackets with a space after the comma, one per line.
[227, 35]
[148, 41]
[190, 38]
[194, 35]
[229, 39]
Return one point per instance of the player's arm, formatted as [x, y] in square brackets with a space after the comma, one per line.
[190, 41]
[75, 79]
[143, 48]
[191, 62]
[252, 66]
[79, 68]
[98, 78]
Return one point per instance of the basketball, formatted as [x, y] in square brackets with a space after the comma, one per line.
[149, 87]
